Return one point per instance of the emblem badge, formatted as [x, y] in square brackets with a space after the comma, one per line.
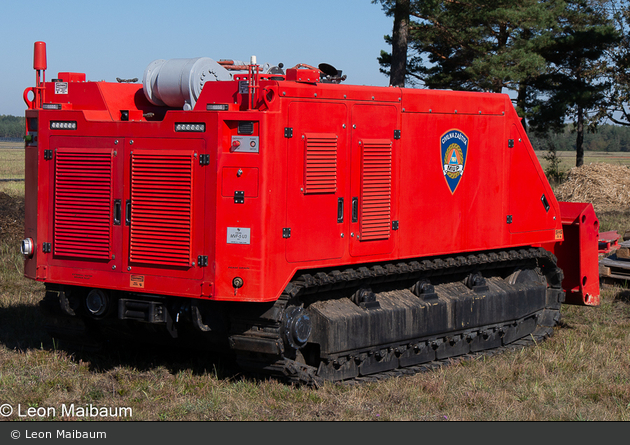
[454, 148]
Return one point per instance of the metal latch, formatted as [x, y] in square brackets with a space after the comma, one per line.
[355, 210]
[340, 210]
[545, 203]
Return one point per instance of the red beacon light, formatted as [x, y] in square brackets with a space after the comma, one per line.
[39, 58]
[39, 65]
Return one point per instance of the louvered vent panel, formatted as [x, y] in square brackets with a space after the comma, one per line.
[376, 190]
[320, 163]
[83, 196]
[161, 208]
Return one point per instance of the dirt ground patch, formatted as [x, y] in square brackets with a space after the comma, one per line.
[11, 216]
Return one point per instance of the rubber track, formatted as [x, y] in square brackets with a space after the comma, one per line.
[293, 372]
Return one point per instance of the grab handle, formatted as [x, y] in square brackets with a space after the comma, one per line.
[117, 210]
[128, 213]
[340, 210]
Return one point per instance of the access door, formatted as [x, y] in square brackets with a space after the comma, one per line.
[316, 203]
[373, 203]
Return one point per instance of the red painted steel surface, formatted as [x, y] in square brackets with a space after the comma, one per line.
[608, 241]
[373, 154]
[578, 253]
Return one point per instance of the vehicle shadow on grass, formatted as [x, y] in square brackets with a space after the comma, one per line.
[23, 328]
[623, 296]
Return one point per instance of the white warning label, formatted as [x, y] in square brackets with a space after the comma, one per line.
[238, 235]
[61, 87]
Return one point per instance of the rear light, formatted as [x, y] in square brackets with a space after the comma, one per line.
[190, 127]
[63, 125]
[27, 247]
[217, 107]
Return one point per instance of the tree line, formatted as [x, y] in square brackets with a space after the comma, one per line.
[11, 126]
[566, 61]
[608, 137]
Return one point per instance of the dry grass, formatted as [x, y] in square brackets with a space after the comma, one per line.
[567, 158]
[11, 160]
[582, 373]
[606, 186]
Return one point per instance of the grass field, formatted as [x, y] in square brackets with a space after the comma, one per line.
[567, 158]
[11, 160]
[581, 373]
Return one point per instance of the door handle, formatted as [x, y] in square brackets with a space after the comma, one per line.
[355, 210]
[340, 210]
[128, 213]
[117, 210]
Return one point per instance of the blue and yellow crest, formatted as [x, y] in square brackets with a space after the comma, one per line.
[454, 148]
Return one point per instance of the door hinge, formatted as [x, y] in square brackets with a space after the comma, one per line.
[46, 247]
[394, 225]
[202, 261]
[286, 232]
[396, 134]
[288, 132]
[510, 143]
[509, 219]
[239, 197]
[48, 154]
[204, 159]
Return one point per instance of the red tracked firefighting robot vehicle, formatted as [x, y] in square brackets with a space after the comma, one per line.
[317, 230]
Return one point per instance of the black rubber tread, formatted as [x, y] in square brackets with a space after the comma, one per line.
[76, 332]
[308, 283]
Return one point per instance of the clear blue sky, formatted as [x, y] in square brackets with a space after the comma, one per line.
[114, 38]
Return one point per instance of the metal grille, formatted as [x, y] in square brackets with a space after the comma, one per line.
[376, 189]
[161, 207]
[320, 174]
[83, 194]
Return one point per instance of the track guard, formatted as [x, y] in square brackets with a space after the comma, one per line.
[577, 253]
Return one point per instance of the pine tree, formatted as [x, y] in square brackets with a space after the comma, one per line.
[478, 45]
[573, 83]
[616, 108]
[397, 60]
